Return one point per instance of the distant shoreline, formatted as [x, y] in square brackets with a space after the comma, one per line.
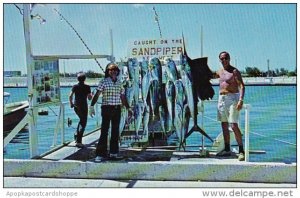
[10, 82]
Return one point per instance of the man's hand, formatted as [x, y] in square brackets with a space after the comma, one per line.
[91, 111]
[130, 116]
[239, 105]
[130, 112]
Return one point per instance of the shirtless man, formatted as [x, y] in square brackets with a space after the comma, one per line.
[231, 95]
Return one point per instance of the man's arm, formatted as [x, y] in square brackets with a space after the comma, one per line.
[71, 99]
[239, 79]
[95, 98]
[124, 101]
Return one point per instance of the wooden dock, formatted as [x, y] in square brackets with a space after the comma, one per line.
[164, 164]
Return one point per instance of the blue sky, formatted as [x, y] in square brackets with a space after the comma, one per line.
[251, 33]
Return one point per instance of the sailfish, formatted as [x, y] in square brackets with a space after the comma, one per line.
[201, 87]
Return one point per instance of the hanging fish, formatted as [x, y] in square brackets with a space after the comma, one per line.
[171, 69]
[155, 69]
[188, 91]
[170, 99]
[144, 67]
[138, 116]
[186, 119]
[146, 120]
[162, 119]
[202, 75]
[154, 93]
[146, 81]
[124, 115]
[187, 63]
[134, 73]
[179, 104]
[123, 76]
[129, 92]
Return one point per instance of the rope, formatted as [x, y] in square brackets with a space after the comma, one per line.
[81, 39]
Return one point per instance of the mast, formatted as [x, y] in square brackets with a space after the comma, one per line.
[201, 41]
[268, 63]
[33, 136]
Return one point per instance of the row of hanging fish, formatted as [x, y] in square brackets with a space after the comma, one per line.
[155, 93]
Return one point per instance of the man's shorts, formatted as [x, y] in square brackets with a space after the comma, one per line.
[227, 111]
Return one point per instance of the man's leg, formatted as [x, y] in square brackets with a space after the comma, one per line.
[226, 135]
[101, 149]
[114, 141]
[238, 136]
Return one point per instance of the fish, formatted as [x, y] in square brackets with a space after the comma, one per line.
[202, 75]
[123, 76]
[146, 81]
[171, 70]
[129, 92]
[170, 100]
[185, 124]
[138, 116]
[124, 115]
[146, 120]
[162, 119]
[185, 62]
[134, 73]
[186, 74]
[179, 104]
[155, 69]
[154, 92]
[133, 67]
[187, 84]
[144, 67]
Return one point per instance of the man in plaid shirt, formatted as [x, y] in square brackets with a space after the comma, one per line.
[113, 97]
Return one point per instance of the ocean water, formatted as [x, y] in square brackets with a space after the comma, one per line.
[272, 124]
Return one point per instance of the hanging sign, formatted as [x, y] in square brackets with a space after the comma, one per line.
[160, 48]
[45, 80]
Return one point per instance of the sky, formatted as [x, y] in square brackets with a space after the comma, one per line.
[251, 33]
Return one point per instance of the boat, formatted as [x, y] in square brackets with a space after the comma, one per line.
[13, 113]
[43, 112]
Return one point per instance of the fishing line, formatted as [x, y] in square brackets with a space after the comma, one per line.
[261, 135]
[20, 10]
[81, 39]
[157, 21]
[285, 142]
[276, 139]
[52, 111]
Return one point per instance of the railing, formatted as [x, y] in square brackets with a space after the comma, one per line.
[59, 134]
[60, 123]
[56, 133]
[246, 108]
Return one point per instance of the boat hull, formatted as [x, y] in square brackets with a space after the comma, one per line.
[14, 113]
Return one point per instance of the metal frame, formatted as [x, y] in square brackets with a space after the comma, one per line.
[32, 113]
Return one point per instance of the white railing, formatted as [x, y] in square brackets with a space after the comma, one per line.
[60, 123]
[59, 129]
[246, 108]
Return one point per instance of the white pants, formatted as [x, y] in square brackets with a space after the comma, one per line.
[227, 111]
